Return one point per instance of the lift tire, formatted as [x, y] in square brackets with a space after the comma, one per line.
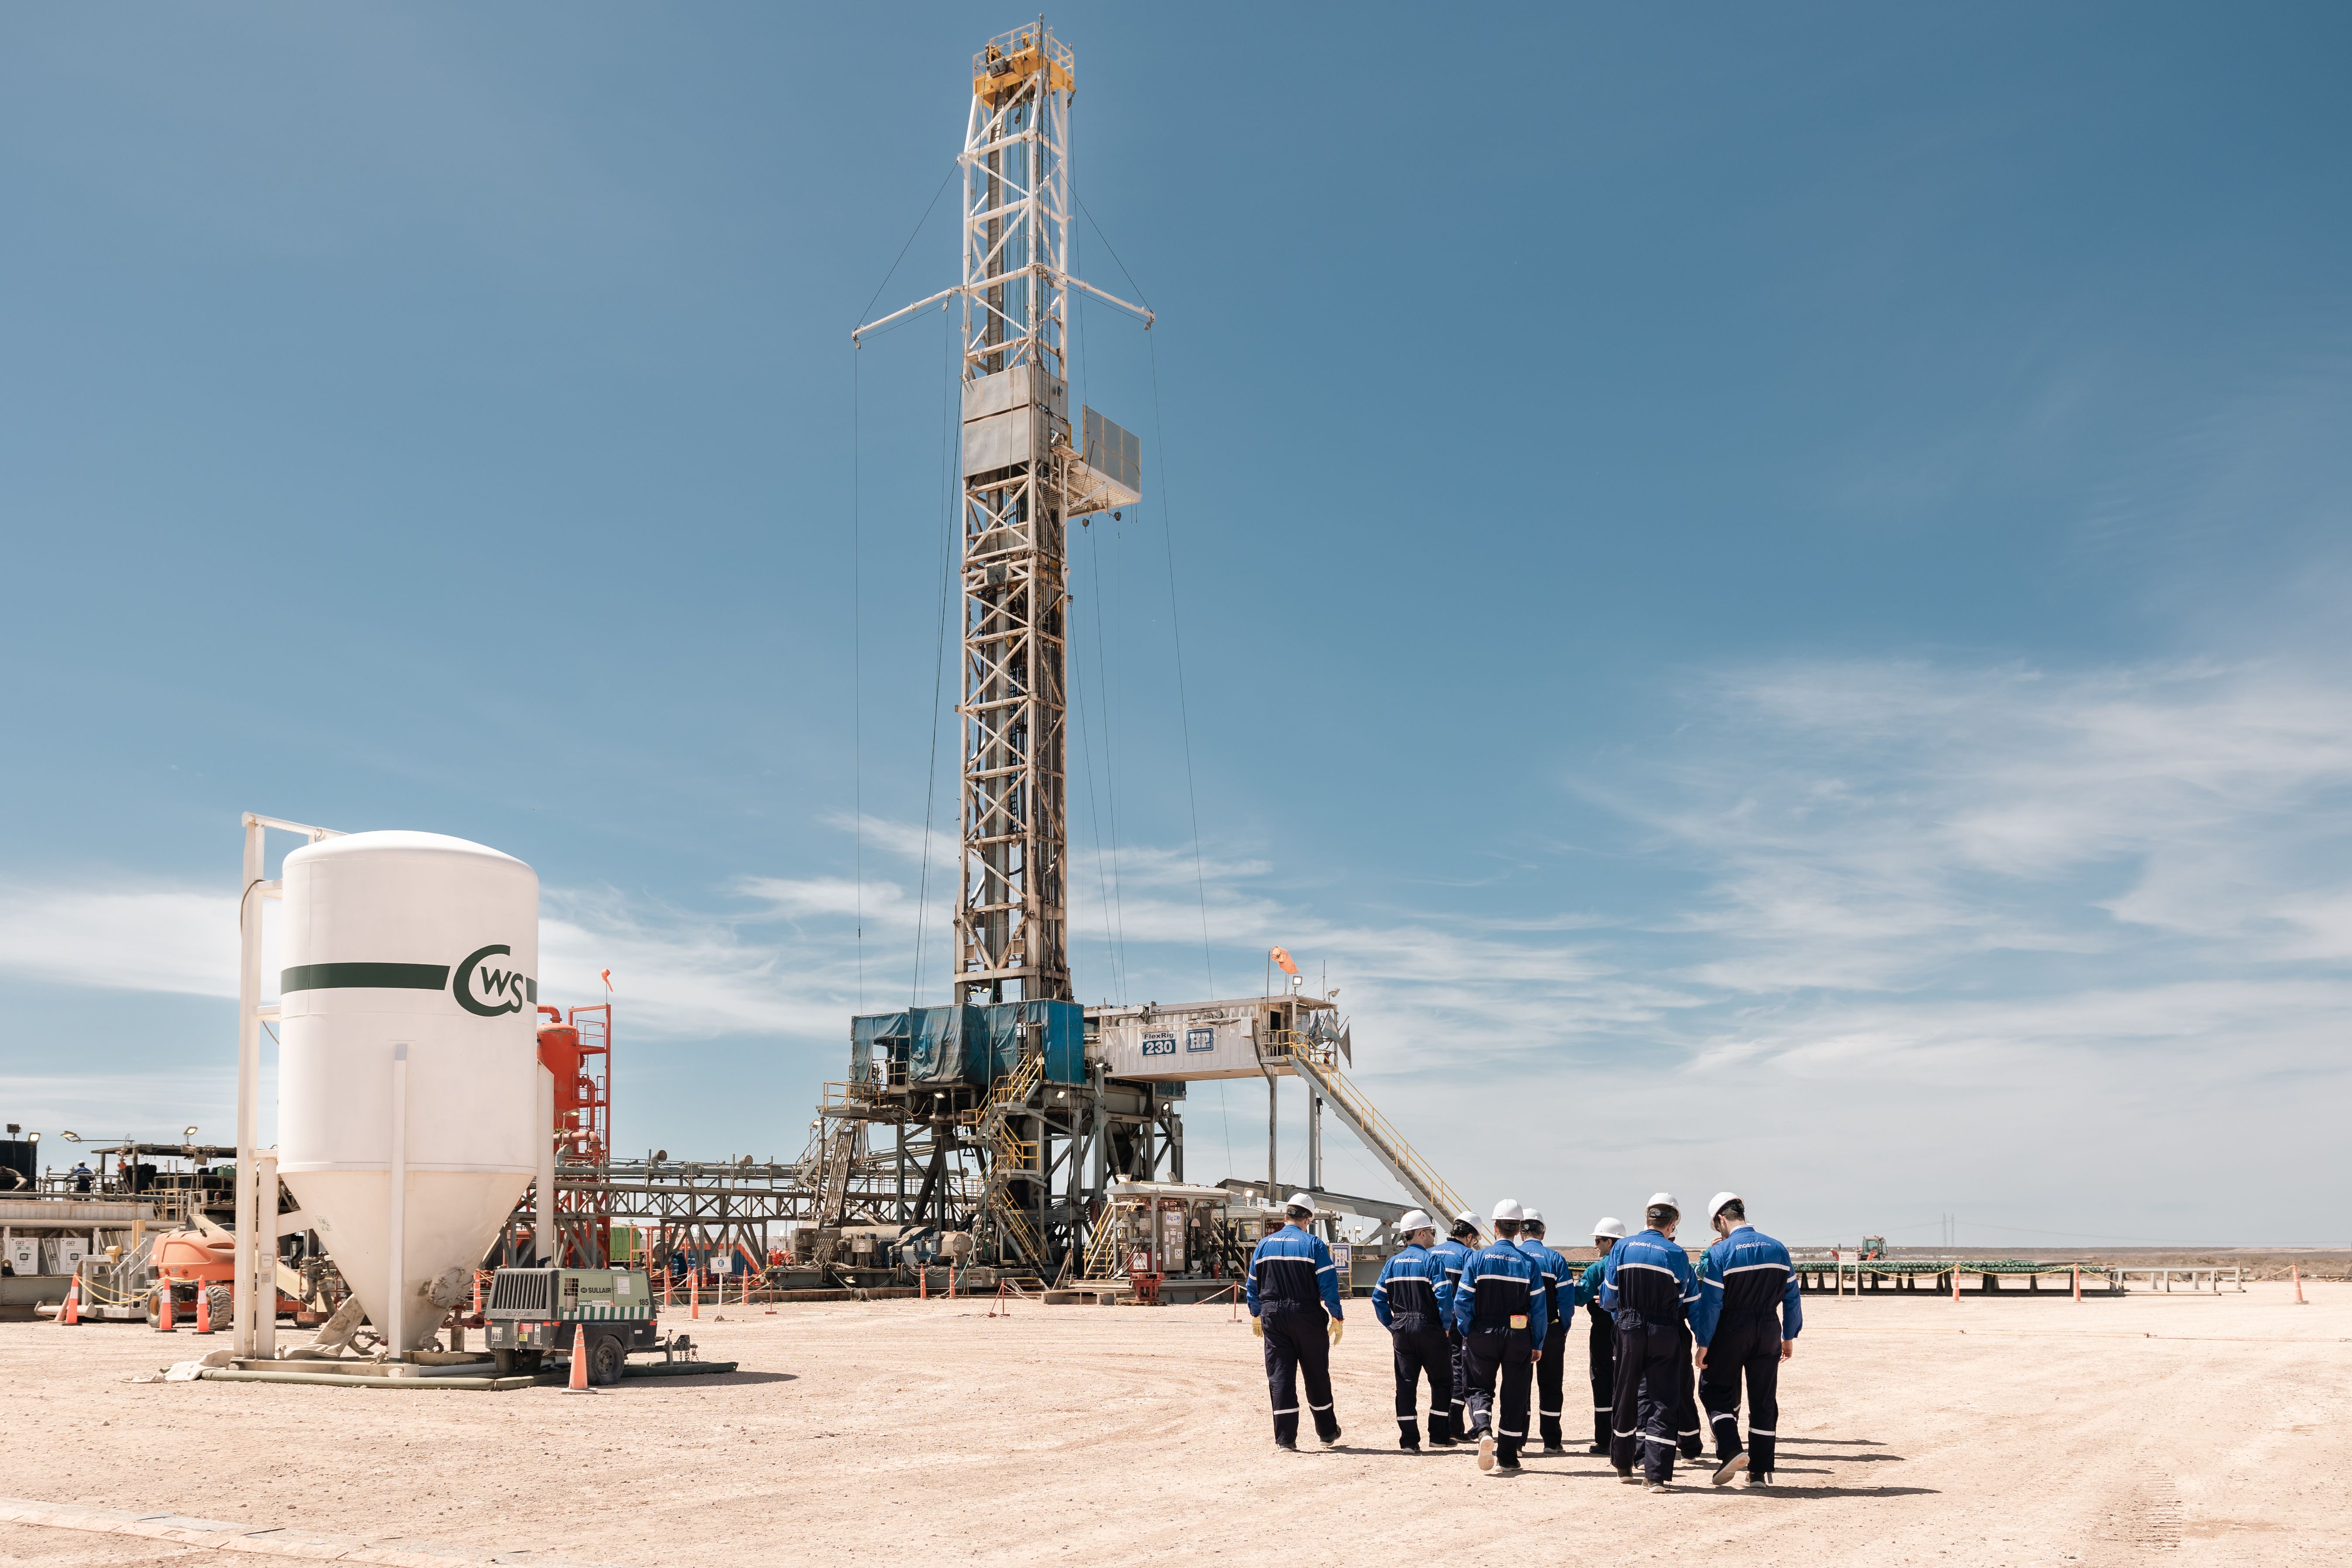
[607, 1354]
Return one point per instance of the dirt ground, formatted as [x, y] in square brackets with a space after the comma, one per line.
[2177, 1429]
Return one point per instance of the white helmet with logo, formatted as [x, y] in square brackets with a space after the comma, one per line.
[1507, 1209]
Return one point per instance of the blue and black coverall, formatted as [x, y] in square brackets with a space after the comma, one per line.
[1747, 1303]
[1600, 1351]
[1560, 1311]
[1294, 1292]
[1648, 1286]
[1498, 1309]
[1451, 1256]
[1412, 1295]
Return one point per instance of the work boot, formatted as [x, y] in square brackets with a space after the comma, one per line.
[1440, 1433]
[1660, 1487]
[1329, 1439]
[1503, 1470]
[1486, 1451]
[1288, 1445]
[1409, 1441]
[1729, 1469]
[1554, 1445]
[1760, 1478]
[1628, 1476]
[1598, 1448]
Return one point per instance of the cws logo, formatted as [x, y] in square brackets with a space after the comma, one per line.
[488, 990]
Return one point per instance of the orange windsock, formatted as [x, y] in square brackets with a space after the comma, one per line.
[607, 976]
[1282, 961]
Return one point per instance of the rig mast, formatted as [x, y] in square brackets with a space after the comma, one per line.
[1024, 480]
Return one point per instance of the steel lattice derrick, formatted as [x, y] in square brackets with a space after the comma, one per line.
[1011, 914]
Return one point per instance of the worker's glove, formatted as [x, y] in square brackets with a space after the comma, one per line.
[1257, 1327]
[1339, 1327]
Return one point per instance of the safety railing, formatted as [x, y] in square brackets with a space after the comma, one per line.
[1318, 1062]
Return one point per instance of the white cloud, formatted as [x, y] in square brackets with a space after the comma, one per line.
[2093, 927]
[156, 938]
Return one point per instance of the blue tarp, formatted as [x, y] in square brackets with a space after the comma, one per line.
[974, 1044]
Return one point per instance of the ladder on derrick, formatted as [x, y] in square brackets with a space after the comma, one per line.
[990, 1125]
[1318, 1062]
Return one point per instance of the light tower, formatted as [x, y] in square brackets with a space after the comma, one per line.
[1024, 480]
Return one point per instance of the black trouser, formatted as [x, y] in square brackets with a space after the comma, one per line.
[1646, 1396]
[1602, 1356]
[1753, 1348]
[1551, 1368]
[1424, 1353]
[1689, 1435]
[1296, 1345]
[1488, 1352]
[1461, 1412]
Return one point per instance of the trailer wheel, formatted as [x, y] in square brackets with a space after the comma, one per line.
[606, 1357]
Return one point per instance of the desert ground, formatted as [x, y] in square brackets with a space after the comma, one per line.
[2149, 1429]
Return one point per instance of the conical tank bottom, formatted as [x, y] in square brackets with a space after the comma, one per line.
[451, 1219]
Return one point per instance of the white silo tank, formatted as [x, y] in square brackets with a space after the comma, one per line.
[407, 998]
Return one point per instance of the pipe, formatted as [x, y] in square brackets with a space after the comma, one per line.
[544, 1242]
[396, 1315]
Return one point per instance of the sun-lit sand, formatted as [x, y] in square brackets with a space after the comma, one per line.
[2143, 1430]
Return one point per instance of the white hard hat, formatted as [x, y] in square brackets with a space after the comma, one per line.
[1533, 1216]
[1663, 1201]
[1610, 1226]
[1714, 1205]
[1300, 1201]
[1414, 1220]
[1507, 1209]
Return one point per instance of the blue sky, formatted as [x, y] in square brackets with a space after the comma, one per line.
[1763, 589]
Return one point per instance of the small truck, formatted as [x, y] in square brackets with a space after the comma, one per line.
[534, 1313]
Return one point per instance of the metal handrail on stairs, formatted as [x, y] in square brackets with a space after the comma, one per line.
[1319, 1063]
[1008, 1151]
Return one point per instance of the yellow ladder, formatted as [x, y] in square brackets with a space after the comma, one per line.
[1009, 1151]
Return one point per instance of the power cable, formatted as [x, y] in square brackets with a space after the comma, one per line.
[939, 660]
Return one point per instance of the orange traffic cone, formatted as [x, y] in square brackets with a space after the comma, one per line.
[579, 1384]
[2078, 1283]
[694, 1297]
[1956, 1282]
[70, 1313]
[204, 1307]
[164, 1323]
[2296, 1268]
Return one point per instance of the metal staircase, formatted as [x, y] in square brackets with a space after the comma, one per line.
[990, 1126]
[1317, 1063]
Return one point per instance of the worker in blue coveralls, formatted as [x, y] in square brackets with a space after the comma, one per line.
[1498, 1307]
[1451, 1254]
[1293, 1302]
[1648, 1288]
[1410, 1298]
[1747, 1321]
[1560, 1311]
[1600, 1350]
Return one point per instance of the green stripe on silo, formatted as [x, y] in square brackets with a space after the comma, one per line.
[371, 976]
